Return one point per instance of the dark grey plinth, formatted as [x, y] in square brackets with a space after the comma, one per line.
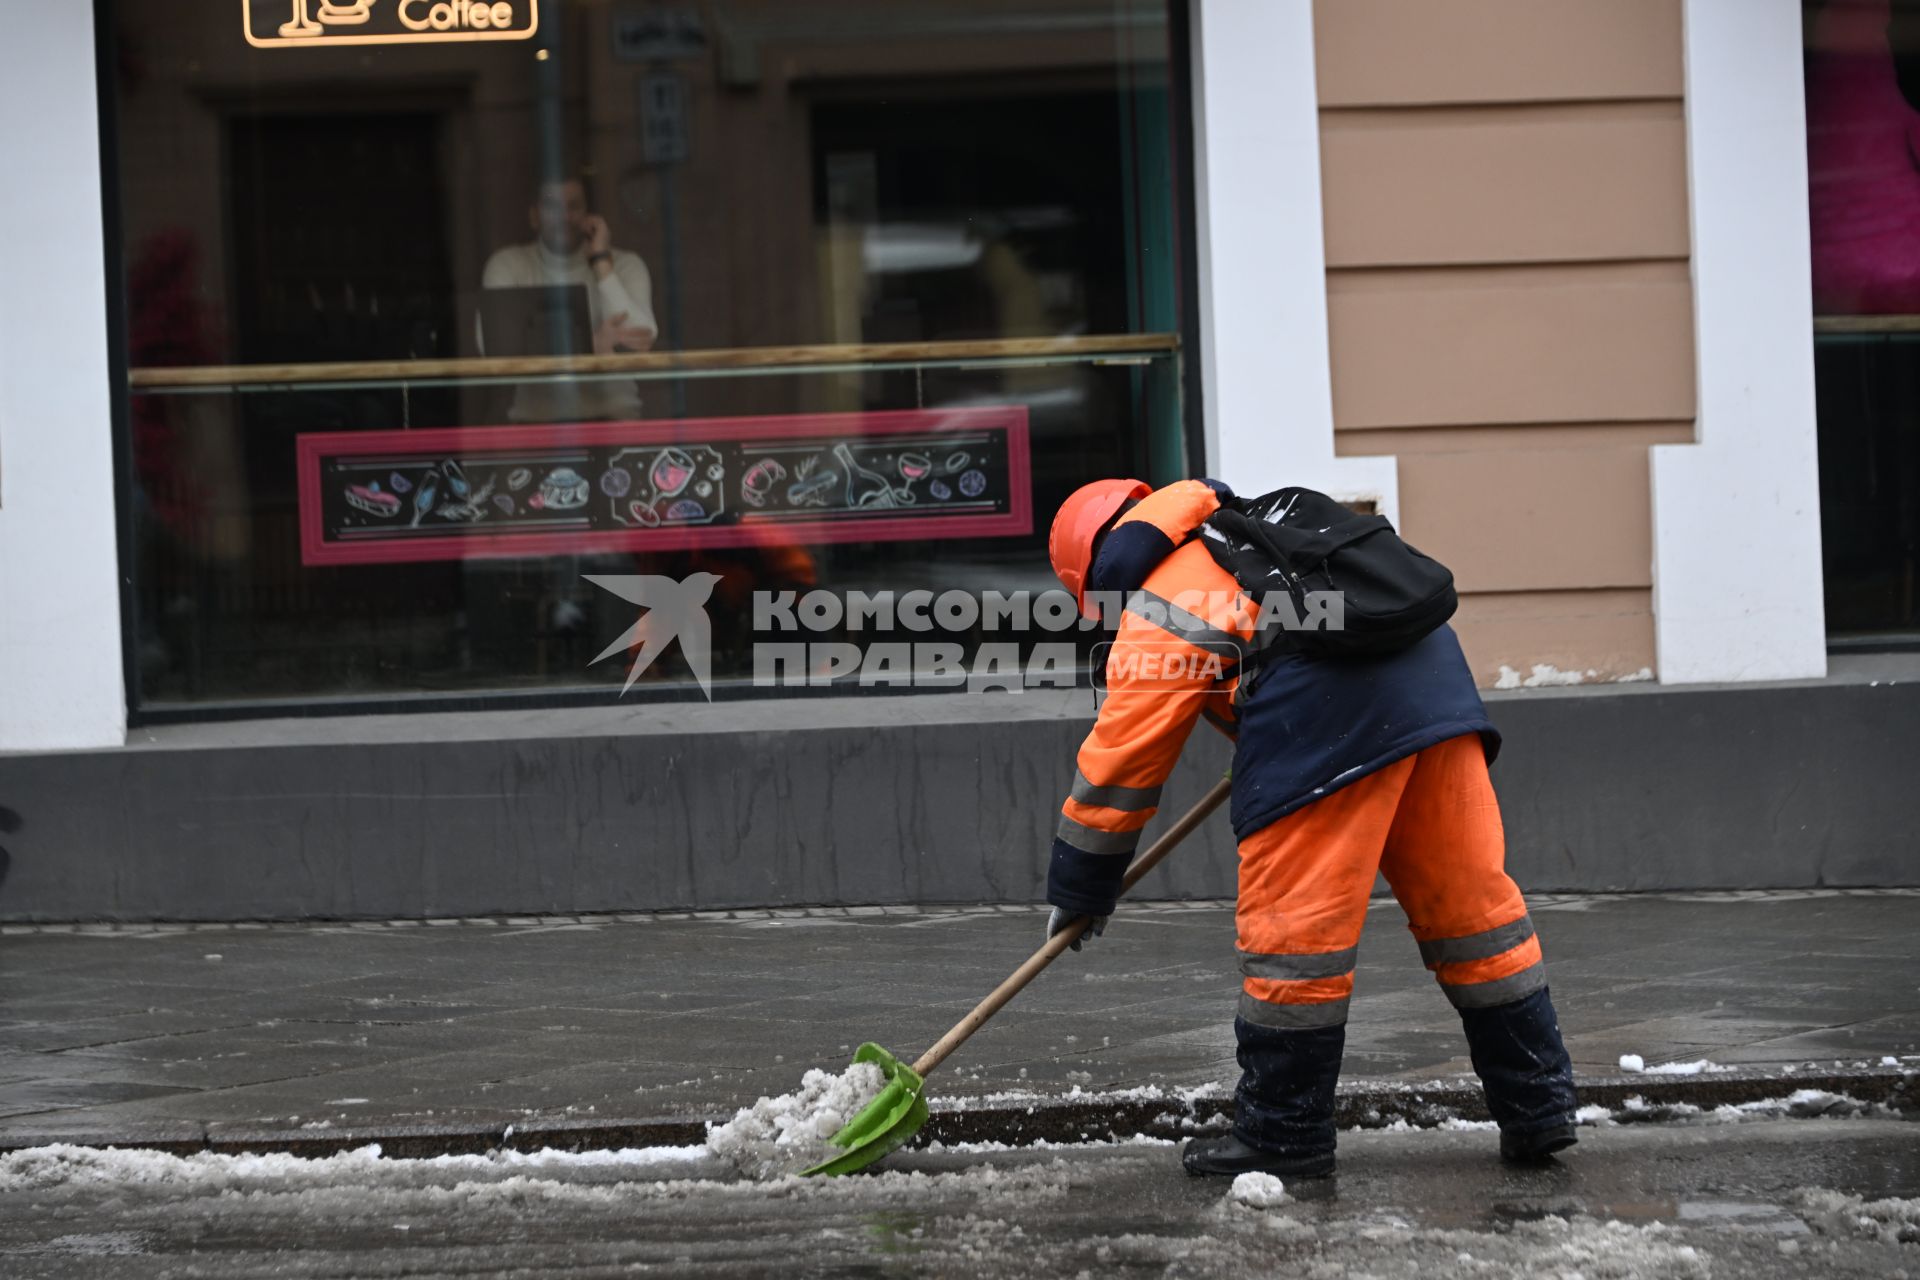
[877, 800]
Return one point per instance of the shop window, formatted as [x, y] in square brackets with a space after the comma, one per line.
[1863, 131]
[883, 280]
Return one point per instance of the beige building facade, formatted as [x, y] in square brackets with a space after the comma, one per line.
[1513, 199]
[1510, 303]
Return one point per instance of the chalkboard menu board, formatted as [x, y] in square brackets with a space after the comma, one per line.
[454, 493]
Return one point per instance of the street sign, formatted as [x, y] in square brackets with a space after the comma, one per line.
[663, 117]
[658, 35]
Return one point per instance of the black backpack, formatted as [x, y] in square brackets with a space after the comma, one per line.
[1301, 541]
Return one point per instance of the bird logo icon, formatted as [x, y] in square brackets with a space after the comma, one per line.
[675, 608]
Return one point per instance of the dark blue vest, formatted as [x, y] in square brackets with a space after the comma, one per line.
[1310, 726]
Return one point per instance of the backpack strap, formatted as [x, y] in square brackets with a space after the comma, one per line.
[1309, 547]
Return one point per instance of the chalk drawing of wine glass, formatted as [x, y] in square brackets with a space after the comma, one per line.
[350, 14]
[670, 472]
[301, 25]
[914, 467]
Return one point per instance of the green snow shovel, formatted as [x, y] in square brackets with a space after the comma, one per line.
[897, 1114]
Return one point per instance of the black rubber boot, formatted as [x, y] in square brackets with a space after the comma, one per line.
[1228, 1156]
[1537, 1147]
[1525, 1071]
[1284, 1105]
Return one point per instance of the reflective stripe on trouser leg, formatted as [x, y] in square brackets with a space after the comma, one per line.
[1307, 990]
[1304, 885]
[1445, 860]
[1289, 1003]
[1286, 1017]
[1492, 967]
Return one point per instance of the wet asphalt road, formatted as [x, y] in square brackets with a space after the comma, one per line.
[189, 1031]
[1694, 1200]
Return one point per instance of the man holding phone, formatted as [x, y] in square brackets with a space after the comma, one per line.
[571, 245]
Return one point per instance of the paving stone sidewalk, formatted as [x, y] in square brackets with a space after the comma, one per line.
[110, 1031]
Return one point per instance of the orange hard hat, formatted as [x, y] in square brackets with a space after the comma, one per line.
[1080, 520]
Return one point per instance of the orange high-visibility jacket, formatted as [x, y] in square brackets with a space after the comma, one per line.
[1303, 727]
[1174, 658]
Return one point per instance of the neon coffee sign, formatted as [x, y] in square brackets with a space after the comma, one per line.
[293, 24]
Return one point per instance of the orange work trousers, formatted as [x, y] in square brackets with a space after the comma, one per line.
[1431, 824]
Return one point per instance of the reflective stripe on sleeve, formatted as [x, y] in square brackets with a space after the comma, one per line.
[1192, 628]
[1091, 840]
[1125, 799]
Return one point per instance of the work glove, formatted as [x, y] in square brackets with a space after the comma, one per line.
[1061, 918]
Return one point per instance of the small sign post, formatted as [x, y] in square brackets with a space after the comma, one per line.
[663, 117]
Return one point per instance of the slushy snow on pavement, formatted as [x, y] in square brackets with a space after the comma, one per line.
[1891, 1221]
[1637, 1065]
[1435, 1205]
[784, 1135]
[1259, 1190]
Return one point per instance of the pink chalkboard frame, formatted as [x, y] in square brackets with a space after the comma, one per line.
[464, 543]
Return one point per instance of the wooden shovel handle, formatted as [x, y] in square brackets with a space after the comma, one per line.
[1060, 941]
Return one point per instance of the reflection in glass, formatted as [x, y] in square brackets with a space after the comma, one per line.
[763, 210]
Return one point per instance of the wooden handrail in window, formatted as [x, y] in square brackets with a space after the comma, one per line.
[741, 358]
[1866, 324]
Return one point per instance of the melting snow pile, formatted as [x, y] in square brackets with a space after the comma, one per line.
[1636, 1064]
[1259, 1190]
[1614, 1250]
[789, 1133]
[1887, 1221]
[352, 1183]
[1801, 1104]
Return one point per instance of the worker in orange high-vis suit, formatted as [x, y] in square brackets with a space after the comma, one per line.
[1342, 767]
